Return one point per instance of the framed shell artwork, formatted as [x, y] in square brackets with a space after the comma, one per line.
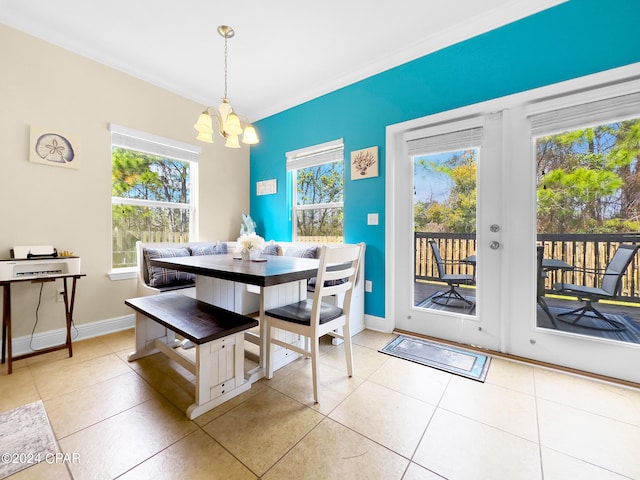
[54, 148]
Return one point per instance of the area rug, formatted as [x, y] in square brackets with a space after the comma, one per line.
[630, 334]
[26, 438]
[453, 303]
[458, 361]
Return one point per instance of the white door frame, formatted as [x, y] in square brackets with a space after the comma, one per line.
[517, 300]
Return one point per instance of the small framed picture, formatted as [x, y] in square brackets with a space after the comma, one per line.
[364, 163]
[54, 148]
[266, 187]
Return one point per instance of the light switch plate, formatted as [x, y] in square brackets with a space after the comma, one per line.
[372, 219]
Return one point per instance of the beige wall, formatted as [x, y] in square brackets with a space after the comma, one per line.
[44, 85]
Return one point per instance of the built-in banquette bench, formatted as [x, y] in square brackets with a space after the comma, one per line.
[154, 280]
[218, 335]
[166, 306]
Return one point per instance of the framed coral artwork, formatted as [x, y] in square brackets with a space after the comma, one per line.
[364, 163]
[49, 147]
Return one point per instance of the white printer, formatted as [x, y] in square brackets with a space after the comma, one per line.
[37, 261]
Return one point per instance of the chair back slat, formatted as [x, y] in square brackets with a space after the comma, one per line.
[617, 266]
[437, 257]
[336, 289]
[345, 270]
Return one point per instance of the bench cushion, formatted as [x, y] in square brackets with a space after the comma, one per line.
[271, 249]
[302, 252]
[211, 249]
[163, 277]
[177, 286]
[311, 284]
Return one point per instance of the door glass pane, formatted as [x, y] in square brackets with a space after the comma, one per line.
[444, 210]
[588, 213]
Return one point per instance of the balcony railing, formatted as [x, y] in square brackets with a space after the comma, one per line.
[583, 251]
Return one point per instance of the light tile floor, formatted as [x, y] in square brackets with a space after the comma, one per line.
[393, 420]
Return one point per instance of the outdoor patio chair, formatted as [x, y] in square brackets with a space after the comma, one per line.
[454, 280]
[540, 287]
[609, 289]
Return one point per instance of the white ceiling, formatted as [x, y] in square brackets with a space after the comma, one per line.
[284, 52]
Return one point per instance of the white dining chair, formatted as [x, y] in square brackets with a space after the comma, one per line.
[314, 317]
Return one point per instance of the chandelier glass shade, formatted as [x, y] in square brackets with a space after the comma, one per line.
[228, 122]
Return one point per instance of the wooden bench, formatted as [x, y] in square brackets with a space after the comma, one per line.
[218, 335]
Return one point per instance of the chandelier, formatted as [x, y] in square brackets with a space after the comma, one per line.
[229, 125]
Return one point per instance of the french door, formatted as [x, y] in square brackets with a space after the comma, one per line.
[460, 163]
[505, 287]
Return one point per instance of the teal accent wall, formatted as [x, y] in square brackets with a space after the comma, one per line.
[575, 39]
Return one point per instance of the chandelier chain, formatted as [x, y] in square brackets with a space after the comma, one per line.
[225, 67]
[229, 124]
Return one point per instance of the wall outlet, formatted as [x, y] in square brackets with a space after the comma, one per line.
[60, 295]
[368, 286]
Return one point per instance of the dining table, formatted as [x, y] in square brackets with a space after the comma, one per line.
[223, 281]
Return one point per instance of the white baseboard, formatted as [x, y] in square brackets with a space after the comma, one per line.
[22, 345]
[379, 324]
[26, 344]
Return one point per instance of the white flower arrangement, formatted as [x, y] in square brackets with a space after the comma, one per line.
[249, 242]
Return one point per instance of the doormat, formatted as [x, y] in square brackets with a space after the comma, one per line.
[26, 438]
[444, 357]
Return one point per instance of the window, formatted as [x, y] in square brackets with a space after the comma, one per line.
[587, 166]
[444, 212]
[153, 197]
[318, 192]
[588, 179]
[444, 184]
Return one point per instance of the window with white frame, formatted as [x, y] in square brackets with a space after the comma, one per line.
[318, 192]
[153, 195]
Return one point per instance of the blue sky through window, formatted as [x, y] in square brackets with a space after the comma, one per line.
[431, 184]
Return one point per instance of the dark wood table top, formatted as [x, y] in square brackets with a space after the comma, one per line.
[274, 271]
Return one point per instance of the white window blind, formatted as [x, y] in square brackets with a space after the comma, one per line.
[317, 155]
[445, 142]
[153, 144]
[585, 114]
